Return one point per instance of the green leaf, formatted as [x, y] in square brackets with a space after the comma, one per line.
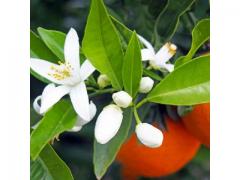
[54, 40]
[200, 35]
[59, 118]
[49, 166]
[132, 66]
[186, 85]
[39, 50]
[104, 154]
[101, 44]
[151, 74]
[167, 21]
[124, 32]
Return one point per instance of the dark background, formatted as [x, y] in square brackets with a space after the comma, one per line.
[76, 148]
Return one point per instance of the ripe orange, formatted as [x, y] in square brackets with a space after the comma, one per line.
[197, 123]
[178, 148]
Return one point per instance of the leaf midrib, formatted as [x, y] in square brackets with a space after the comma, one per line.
[54, 130]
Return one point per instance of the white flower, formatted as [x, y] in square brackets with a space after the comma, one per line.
[146, 85]
[69, 76]
[108, 123]
[149, 135]
[158, 60]
[103, 81]
[122, 99]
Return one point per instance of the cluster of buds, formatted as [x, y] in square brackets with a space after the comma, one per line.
[110, 119]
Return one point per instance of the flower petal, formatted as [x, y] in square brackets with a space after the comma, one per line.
[80, 101]
[80, 122]
[43, 68]
[86, 70]
[93, 110]
[75, 129]
[146, 43]
[51, 95]
[36, 105]
[147, 54]
[169, 67]
[166, 52]
[71, 49]
[108, 123]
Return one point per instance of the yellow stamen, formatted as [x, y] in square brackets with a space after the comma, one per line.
[171, 48]
[61, 72]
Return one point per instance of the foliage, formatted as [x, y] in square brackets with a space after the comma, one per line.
[109, 41]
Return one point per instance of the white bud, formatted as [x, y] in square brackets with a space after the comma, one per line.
[146, 85]
[122, 99]
[149, 135]
[103, 81]
[108, 123]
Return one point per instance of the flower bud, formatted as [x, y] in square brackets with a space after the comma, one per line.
[108, 123]
[149, 135]
[122, 99]
[103, 81]
[146, 85]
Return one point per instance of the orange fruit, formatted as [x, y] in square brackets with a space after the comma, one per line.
[178, 148]
[197, 122]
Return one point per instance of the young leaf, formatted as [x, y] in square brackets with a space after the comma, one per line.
[104, 154]
[167, 21]
[54, 40]
[101, 44]
[186, 85]
[59, 118]
[200, 35]
[49, 166]
[132, 66]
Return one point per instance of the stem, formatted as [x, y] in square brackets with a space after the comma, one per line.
[103, 91]
[91, 89]
[136, 115]
[141, 103]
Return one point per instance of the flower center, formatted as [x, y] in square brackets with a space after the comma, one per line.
[62, 71]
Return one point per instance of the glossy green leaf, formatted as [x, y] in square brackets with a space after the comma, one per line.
[124, 32]
[49, 166]
[54, 40]
[104, 154]
[132, 66]
[101, 44]
[167, 21]
[200, 35]
[59, 118]
[151, 74]
[186, 85]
